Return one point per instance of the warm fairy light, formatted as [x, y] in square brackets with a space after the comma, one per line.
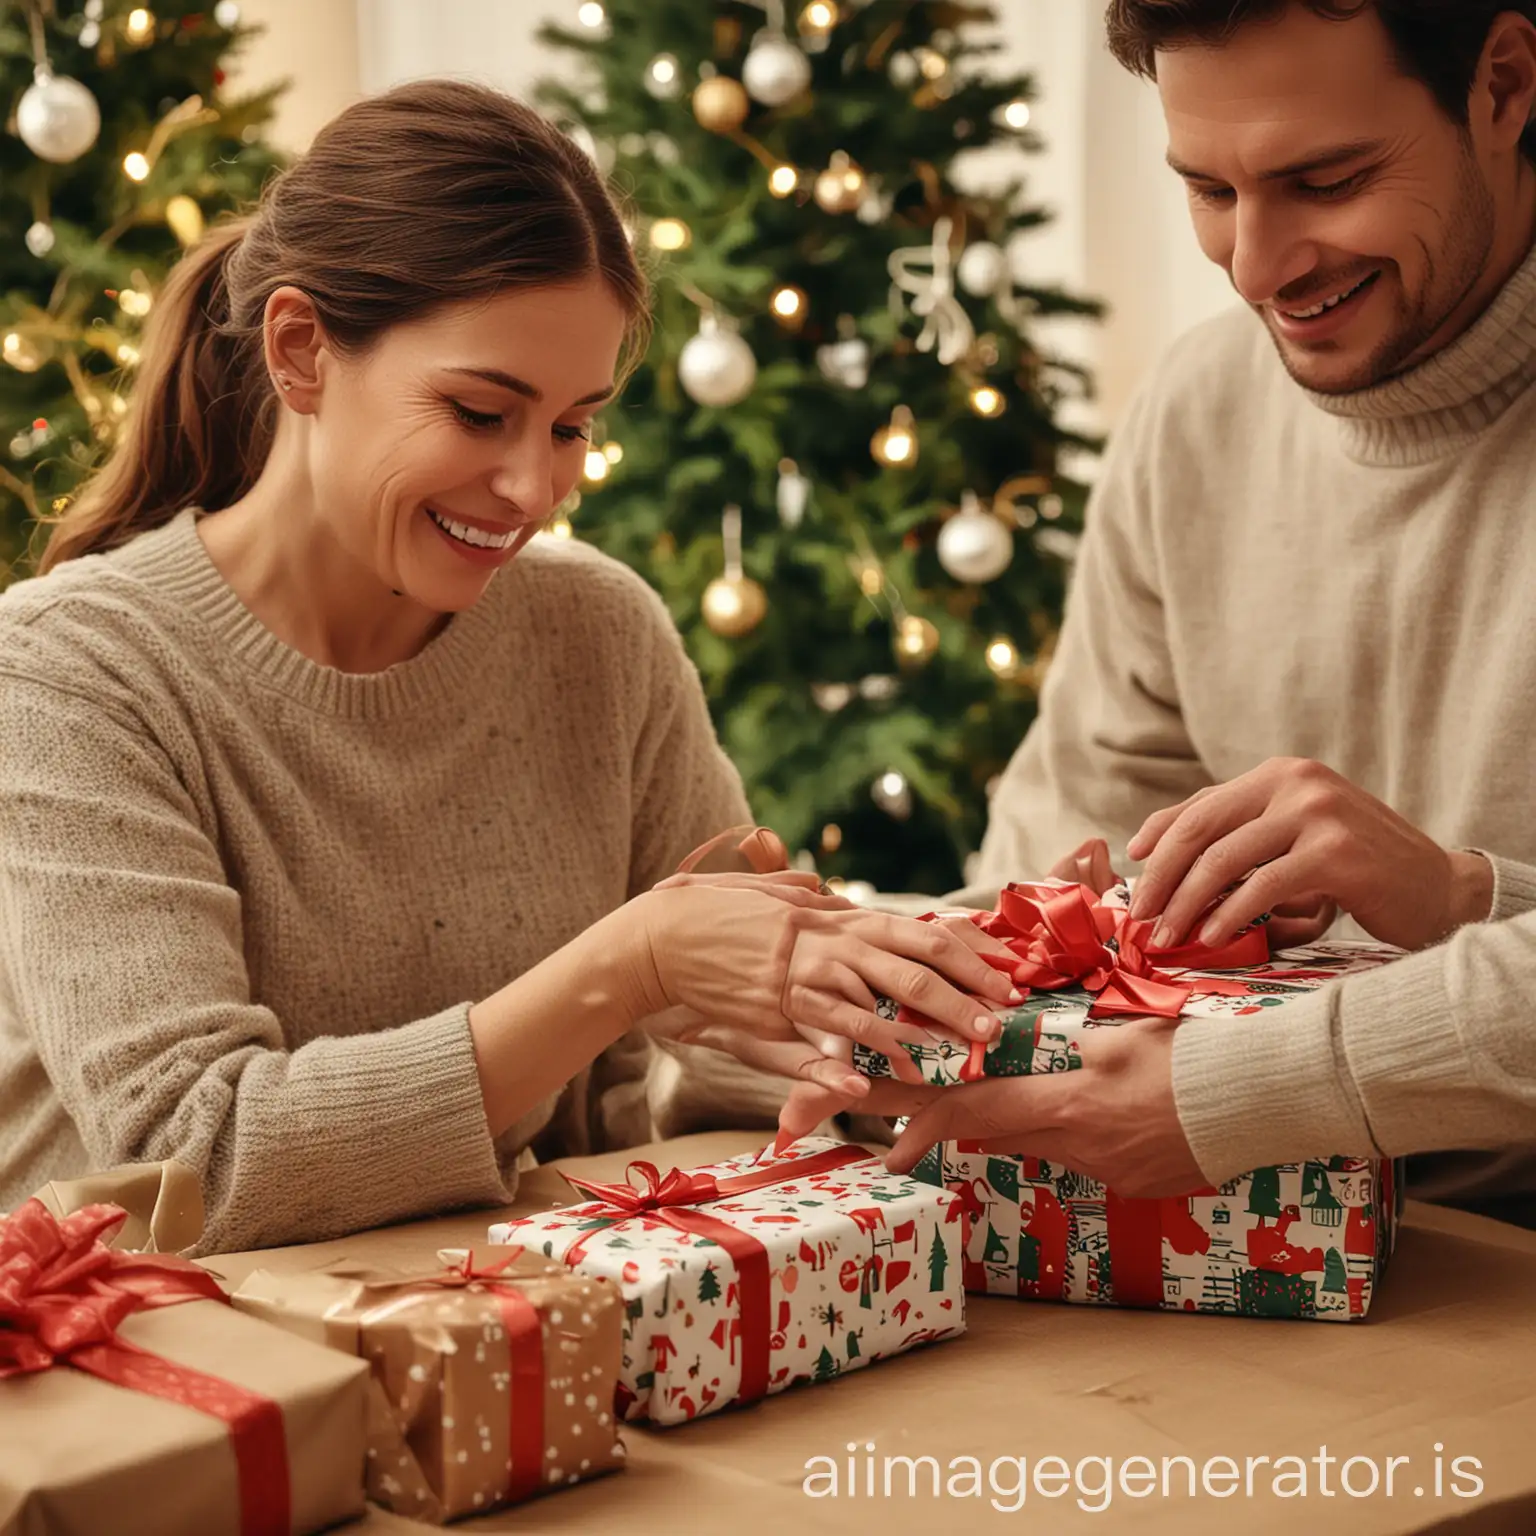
[932, 63]
[1016, 114]
[782, 180]
[613, 452]
[20, 353]
[986, 401]
[895, 445]
[134, 302]
[916, 638]
[818, 16]
[661, 72]
[788, 302]
[892, 784]
[1003, 657]
[831, 837]
[128, 355]
[140, 26]
[135, 166]
[670, 235]
[871, 579]
[559, 528]
[595, 470]
[591, 14]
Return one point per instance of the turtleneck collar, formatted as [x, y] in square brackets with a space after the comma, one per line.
[1447, 400]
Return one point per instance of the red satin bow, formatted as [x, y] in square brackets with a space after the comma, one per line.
[62, 1290]
[63, 1296]
[1063, 936]
[679, 1187]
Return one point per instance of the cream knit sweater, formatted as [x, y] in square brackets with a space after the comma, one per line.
[1350, 579]
[246, 900]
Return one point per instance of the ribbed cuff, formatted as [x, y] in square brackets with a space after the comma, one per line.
[1514, 887]
[1270, 1091]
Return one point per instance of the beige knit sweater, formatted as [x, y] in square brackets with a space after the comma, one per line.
[1350, 579]
[246, 900]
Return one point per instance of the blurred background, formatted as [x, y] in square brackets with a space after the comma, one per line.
[911, 257]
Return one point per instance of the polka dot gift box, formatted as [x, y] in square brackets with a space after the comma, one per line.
[748, 1276]
[493, 1379]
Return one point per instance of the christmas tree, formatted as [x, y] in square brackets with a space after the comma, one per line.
[840, 461]
[121, 147]
[938, 1262]
[709, 1284]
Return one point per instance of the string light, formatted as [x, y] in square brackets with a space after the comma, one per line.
[560, 528]
[831, 837]
[20, 353]
[613, 452]
[916, 638]
[128, 355]
[895, 444]
[591, 15]
[818, 18]
[782, 180]
[788, 304]
[986, 401]
[134, 302]
[1016, 115]
[140, 26]
[595, 469]
[670, 235]
[1003, 657]
[135, 166]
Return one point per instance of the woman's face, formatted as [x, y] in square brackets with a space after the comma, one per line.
[438, 454]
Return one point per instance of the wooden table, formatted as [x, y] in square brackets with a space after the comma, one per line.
[1448, 1356]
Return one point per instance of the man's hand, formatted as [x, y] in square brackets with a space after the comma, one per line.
[1301, 840]
[1114, 1119]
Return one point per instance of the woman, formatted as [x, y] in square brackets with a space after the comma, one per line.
[330, 806]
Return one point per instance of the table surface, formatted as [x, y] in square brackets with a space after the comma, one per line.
[1447, 1356]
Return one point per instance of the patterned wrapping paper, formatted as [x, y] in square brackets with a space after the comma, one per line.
[491, 1381]
[1307, 1240]
[732, 1294]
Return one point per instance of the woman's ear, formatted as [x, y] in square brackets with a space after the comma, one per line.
[292, 340]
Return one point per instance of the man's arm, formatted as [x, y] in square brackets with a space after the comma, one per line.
[1110, 746]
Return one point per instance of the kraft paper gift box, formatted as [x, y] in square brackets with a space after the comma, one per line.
[135, 1401]
[493, 1380]
[1305, 1240]
[748, 1276]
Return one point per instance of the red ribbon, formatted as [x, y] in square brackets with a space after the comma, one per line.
[1063, 936]
[1135, 1232]
[670, 1200]
[525, 1345]
[63, 1296]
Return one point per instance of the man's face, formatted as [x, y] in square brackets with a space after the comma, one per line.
[1346, 207]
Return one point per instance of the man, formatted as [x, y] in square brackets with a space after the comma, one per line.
[1309, 578]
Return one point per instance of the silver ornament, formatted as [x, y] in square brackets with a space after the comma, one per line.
[975, 546]
[40, 238]
[981, 269]
[57, 118]
[845, 362]
[775, 71]
[717, 367]
[794, 491]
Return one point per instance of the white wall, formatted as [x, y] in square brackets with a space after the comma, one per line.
[1122, 231]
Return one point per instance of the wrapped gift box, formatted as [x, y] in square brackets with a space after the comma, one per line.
[492, 1380]
[1303, 1240]
[748, 1276]
[134, 1400]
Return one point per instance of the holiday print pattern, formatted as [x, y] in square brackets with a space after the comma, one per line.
[1302, 1240]
[862, 1264]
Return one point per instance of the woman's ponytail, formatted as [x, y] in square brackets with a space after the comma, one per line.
[200, 420]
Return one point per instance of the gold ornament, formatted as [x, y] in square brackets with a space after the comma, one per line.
[840, 188]
[916, 640]
[721, 104]
[895, 444]
[185, 219]
[733, 604]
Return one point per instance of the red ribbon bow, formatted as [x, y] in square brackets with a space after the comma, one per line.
[63, 1296]
[671, 1199]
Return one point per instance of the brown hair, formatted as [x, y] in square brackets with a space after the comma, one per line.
[433, 193]
[1437, 41]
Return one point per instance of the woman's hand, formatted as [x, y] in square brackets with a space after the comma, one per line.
[770, 955]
